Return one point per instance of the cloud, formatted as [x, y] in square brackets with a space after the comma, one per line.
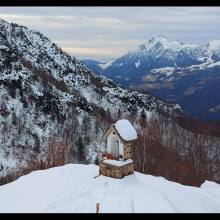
[104, 33]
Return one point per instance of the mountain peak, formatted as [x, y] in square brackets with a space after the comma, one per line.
[159, 38]
[3, 22]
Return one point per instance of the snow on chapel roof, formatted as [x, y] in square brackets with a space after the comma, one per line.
[126, 130]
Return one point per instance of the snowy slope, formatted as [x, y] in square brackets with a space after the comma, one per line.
[47, 94]
[73, 188]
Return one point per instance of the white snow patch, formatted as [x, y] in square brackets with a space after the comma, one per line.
[137, 64]
[168, 71]
[15, 105]
[36, 90]
[126, 130]
[118, 163]
[3, 47]
[73, 189]
[105, 65]
[214, 64]
[177, 106]
[148, 114]
[198, 66]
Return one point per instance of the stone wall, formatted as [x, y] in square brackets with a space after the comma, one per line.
[128, 152]
[114, 171]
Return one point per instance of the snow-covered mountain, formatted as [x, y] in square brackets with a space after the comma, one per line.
[73, 189]
[49, 98]
[151, 65]
[156, 53]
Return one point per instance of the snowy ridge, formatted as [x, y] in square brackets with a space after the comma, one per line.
[168, 71]
[73, 189]
[214, 64]
[105, 65]
[162, 43]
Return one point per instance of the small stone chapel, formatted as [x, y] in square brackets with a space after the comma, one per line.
[117, 160]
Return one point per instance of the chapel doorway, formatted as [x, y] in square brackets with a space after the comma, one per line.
[115, 148]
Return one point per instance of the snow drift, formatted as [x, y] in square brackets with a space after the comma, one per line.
[73, 188]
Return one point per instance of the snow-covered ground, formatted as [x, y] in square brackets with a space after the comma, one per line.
[73, 188]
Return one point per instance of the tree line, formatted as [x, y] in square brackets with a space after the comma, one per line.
[166, 149]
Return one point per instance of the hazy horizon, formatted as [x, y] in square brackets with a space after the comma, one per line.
[105, 33]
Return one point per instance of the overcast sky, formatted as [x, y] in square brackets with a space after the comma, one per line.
[104, 33]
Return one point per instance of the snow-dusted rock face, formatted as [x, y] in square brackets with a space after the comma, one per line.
[46, 94]
[73, 189]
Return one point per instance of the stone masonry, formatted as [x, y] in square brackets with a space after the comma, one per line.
[128, 152]
[114, 171]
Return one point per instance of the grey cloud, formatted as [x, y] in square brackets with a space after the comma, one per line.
[104, 33]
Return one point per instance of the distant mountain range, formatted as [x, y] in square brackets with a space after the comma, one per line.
[183, 73]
